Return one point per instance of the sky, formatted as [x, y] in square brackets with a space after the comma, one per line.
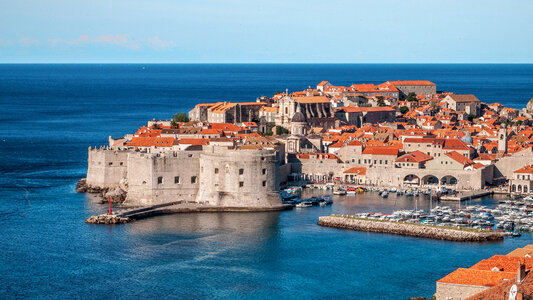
[263, 31]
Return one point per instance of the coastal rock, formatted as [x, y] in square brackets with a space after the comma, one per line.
[107, 219]
[83, 187]
[116, 194]
[416, 230]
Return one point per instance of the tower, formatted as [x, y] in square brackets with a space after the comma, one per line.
[502, 139]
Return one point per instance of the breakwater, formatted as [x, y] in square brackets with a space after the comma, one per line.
[409, 229]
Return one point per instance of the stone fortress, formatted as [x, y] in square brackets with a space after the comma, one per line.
[210, 176]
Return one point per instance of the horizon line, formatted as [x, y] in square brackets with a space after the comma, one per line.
[274, 63]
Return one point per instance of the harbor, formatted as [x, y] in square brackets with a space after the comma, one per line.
[480, 211]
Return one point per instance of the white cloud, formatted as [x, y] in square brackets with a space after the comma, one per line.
[114, 40]
[5, 43]
[156, 42]
[26, 41]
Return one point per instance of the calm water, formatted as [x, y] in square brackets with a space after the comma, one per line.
[50, 114]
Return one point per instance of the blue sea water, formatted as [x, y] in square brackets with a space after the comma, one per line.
[50, 114]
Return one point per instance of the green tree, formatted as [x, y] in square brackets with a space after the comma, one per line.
[156, 126]
[471, 117]
[381, 100]
[280, 130]
[404, 110]
[173, 124]
[180, 117]
[411, 97]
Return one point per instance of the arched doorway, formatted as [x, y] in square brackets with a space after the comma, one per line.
[449, 180]
[411, 179]
[430, 179]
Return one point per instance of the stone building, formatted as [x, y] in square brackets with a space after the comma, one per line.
[205, 175]
[522, 181]
[316, 110]
[226, 112]
[419, 87]
[469, 104]
[358, 116]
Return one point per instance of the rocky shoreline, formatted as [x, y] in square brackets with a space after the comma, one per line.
[117, 194]
[107, 219]
[409, 229]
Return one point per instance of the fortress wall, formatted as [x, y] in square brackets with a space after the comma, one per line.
[162, 177]
[106, 167]
[222, 184]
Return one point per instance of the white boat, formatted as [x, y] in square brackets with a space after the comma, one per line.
[304, 205]
[339, 192]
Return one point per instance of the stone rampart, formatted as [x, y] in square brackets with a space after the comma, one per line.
[106, 167]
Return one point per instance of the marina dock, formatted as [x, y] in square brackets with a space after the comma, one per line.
[466, 195]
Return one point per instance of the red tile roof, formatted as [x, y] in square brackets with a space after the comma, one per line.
[316, 155]
[476, 277]
[416, 156]
[356, 170]
[352, 109]
[312, 99]
[459, 158]
[411, 82]
[194, 142]
[381, 151]
[525, 169]
[151, 142]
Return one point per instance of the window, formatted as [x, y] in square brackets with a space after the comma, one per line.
[193, 179]
[177, 179]
[216, 170]
[121, 163]
[159, 180]
[264, 171]
[380, 162]
[110, 163]
[241, 183]
[264, 183]
[386, 162]
[241, 171]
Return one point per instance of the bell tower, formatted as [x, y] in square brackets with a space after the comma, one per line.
[502, 139]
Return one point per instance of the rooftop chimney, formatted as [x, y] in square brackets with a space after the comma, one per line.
[521, 273]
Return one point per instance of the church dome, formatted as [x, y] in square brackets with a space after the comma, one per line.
[298, 117]
[467, 139]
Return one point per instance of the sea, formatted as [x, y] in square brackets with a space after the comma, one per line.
[51, 113]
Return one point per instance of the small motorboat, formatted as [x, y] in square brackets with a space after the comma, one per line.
[304, 204]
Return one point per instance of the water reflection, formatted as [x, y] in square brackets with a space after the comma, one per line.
[373, 202]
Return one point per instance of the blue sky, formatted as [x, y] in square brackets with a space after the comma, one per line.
[196, 31]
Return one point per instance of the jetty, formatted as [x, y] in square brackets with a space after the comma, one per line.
[182, 206]
[410, 229]
[466, 195]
